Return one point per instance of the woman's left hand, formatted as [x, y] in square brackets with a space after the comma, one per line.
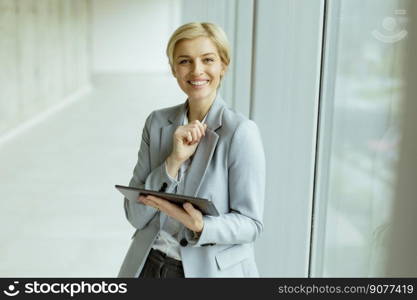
[189, 216]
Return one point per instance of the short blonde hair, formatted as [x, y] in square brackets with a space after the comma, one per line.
[194, 30]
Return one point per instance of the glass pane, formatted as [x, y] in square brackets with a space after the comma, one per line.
[359, 137]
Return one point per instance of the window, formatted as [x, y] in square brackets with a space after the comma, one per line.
[358, 136]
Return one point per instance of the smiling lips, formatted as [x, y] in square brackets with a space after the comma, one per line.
[198, 83]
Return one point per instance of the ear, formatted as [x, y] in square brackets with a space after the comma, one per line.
[224, 67]
[224, 70]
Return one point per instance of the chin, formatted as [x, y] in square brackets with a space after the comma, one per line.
[199, 95]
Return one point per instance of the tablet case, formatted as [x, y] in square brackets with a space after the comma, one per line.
[204, 205]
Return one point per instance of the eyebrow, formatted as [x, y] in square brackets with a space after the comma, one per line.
[205, 54]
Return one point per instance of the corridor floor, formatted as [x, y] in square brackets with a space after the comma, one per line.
[60, 215]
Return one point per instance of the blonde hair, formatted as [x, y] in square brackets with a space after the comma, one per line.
[194, 30]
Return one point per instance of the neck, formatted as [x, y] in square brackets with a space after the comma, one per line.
[197, 109]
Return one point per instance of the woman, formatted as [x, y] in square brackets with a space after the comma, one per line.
[204, 149]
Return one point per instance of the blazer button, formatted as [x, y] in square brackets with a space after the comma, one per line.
[183, 242]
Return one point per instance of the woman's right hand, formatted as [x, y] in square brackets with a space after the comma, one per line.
[186, 139]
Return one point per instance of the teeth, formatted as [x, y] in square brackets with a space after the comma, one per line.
[198, 82]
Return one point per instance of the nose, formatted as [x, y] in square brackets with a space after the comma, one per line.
[197, 68]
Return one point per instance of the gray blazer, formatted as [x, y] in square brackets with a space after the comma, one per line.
[228, 168]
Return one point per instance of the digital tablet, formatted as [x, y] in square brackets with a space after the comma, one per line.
[204, 205]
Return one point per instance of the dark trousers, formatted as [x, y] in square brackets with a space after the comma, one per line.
[158, 265]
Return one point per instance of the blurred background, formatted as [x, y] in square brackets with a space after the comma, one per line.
[325, 80]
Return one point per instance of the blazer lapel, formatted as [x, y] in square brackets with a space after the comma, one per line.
[167, 132]
[165, 143]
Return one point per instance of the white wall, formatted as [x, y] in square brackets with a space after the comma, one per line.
[44, 57]
[284, 105]
[274, 81]
[130, 36]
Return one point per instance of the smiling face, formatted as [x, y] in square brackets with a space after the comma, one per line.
[198, 68]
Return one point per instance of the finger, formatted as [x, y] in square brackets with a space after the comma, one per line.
[160, 203]
[198, 123]
[194, 213]
[141, 198]
[155, 204]
[150, 203]
[188, 207]
[170, 209]
[184, 133]
[189, 137]
[194, 135]
[201, 129]
[204, 126]
[197, 131]
[155, 200]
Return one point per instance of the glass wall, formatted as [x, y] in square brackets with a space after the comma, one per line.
[363, 80]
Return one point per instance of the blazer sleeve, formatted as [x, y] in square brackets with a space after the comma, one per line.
[145, 177]
[243, 224]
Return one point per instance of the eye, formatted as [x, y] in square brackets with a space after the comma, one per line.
[183, 61]
[209, 59]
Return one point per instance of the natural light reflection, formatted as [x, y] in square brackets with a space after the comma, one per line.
[368, 72]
